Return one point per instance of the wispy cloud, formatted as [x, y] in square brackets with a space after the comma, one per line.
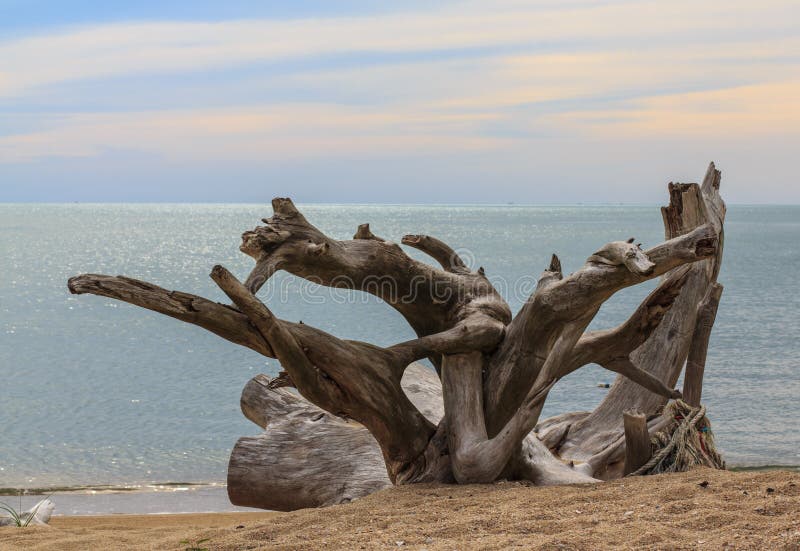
[136, 48]
[462, 78]
[253, 133]
[747, 112]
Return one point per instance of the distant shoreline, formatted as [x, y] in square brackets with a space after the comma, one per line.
[108, 488]
[152, 487]
[180, 497]
[128, 500]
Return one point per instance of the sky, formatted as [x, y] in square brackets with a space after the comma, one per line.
[491, 101]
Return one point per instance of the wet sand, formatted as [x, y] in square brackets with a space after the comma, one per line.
[146, 500]
[702, 509]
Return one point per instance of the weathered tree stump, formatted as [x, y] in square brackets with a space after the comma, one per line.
[363, 419]
[637, 440]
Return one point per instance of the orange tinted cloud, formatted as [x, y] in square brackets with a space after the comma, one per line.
[756, 110]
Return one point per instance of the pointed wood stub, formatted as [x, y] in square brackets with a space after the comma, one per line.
[637, 440]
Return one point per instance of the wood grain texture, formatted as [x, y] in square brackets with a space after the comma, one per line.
[361, 418]
[696, 360]
[664, 353]
[307, 457]
[637, 440]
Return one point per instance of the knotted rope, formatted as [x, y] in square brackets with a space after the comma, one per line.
[682, 445]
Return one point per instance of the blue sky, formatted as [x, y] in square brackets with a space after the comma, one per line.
[556, 101]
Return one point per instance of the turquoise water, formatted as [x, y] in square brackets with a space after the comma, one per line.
[94, 391]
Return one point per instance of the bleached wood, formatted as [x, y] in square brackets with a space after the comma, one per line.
[696, 361]
[307, 457]
[664, 353]
[38, 515]
[496, 370]
[637, 440]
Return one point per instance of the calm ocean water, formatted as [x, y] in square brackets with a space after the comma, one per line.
[94, 391]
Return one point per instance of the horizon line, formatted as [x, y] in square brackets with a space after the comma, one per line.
[392, 203]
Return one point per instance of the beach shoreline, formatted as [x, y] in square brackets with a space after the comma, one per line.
[158, 498]
[703, 508]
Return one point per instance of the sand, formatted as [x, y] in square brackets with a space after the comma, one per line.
[702, 509]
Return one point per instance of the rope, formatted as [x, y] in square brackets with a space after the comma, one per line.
[681, 442]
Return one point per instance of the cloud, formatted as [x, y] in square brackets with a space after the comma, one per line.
[159, 47]
[507, 88]
[745, 112]
[253, 133]
[443, 106]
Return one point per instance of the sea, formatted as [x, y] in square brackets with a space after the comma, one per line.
[98, 392]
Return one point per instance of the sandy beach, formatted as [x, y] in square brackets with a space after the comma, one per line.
[702, 509]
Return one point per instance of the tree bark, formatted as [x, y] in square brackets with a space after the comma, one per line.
[696, 362]
[664, 353]
[637, 440]
[362, 419]
[307, 457]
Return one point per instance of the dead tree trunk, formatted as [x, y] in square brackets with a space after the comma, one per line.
[363, 419]
[290, 465]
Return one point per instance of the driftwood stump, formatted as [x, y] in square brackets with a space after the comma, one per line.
[637, 440]
[357, 418]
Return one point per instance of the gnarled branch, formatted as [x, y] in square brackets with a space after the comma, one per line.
[611, 348]
[432, 300]
[221, 320]
[347, 378]
[692, 209]
[496, 371]
[439, 251]
[555, 306]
